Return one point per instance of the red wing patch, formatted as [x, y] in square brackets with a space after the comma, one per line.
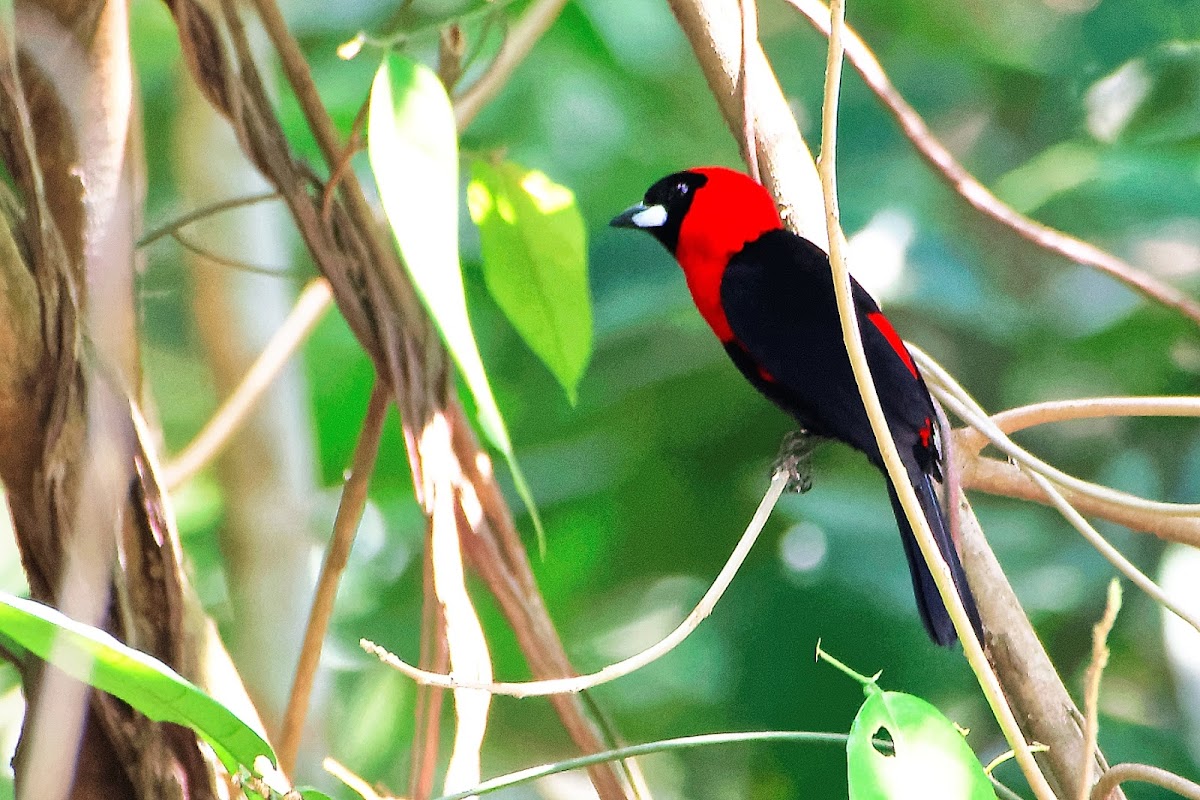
[897, 344]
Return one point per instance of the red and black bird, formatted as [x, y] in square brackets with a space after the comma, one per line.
[768, 296]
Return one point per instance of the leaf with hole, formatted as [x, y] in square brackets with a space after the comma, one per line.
[931, 759]
[534, 253]
[145, 683]
[412, 144]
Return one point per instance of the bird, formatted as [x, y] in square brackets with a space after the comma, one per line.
[768, 295]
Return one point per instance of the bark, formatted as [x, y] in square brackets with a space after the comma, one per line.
[94, 530]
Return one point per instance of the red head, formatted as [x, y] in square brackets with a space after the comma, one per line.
[704, 216]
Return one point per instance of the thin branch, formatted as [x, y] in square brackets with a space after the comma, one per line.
[225, 261]
[1091, 696]
[664, 745]
[749, 40]
[520, 40]
[442, 492]
[174, 225]
[353, 146]
[351, 780]
[310, 306]
[628, 665]
[1006, 479]
[345, 526]
[958, 400]
[427, 711]
[1114, 556]
[852, 336]
[976, 194]
[1017, 419]
[1143, 773]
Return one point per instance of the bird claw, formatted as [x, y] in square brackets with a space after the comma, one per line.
[795, 458]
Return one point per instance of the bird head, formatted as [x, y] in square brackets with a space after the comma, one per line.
[708, 209]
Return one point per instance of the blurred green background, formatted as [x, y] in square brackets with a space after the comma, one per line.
[646, 483]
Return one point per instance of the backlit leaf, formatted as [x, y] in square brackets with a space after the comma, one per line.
[931, 761]
[145, 683]
[412, 143]
[534, 253]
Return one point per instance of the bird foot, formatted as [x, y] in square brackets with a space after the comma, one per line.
[795, 458]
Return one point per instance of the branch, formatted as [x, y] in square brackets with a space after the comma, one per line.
[337, 555]
[1030, 681]
[715, 32]
[1144, 773]
[310, 307]
[626, 666]
[520, 40]
[1091, 703]
[1017, 419]
[976, 194]
[1008, 480]
[1013, 645]
[172, 227]
[958, 400]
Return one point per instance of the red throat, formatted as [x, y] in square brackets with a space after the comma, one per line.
[728, 212]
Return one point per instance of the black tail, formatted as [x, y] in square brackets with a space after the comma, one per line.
[929, 601]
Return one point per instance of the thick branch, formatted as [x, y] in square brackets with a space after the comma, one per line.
[1003, 478]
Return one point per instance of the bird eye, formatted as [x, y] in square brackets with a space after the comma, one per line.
[683, 188]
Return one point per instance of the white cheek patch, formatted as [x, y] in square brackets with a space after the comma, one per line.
[651, 217]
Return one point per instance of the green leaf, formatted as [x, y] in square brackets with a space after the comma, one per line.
[144, 682]
[412, 144]
[312, 794]
[535, 263]
[932, 760]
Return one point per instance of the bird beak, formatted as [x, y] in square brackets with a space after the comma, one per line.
[640, 216]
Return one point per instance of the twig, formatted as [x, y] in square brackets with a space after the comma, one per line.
[1091, 696]
[352, 781]
[958, 400]
[174, 225]
[520, 40]
[353, 145]
[310, 306]
[1006, 479]
[625, 666]
[1017, 419]
[427, 711]
[1114, 556]
[1030, 681]
[749, 40]
[1143, 773]
[664, 745]
[852, 337]
[225, 261]
[345, 526]
[976, 194]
